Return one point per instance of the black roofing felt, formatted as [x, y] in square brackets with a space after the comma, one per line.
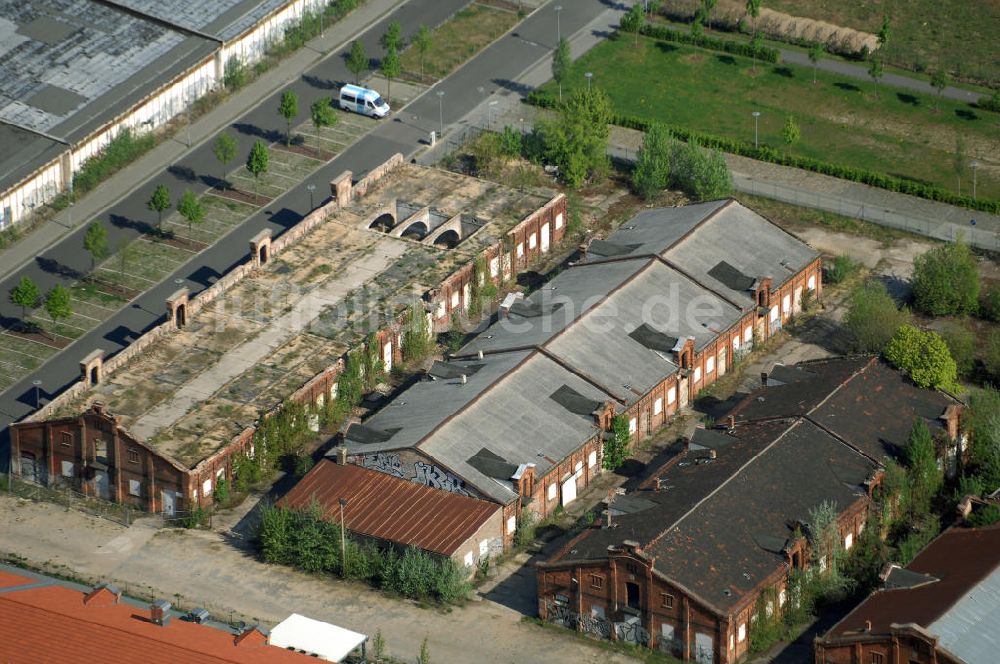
[575, 402]
[528, 309]
[653, 339]
[452, 370]
[731, 277]
[492, 465]
[610, 249]
[900, 577]
[360, 433]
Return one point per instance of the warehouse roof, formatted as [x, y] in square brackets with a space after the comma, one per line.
[391, 509]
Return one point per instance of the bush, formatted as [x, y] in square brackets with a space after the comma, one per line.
[235, 75]
[989, 307]
[872, 317]
[961, 343]
[946, 280]
[576, 142]
[222, 491]
[991, 353]
[663, 33]
[840, 270]
[616, 445]
[769, 154]
[302, 465]
[923, 356]
[525, 532]
[122, 150]
[983, 516]
[991, 103]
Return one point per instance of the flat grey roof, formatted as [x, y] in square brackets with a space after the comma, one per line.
[221, 18]
[968, 627]
[23, 152]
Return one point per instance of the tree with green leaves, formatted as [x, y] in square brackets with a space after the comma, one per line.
[756, 45]
[922, 461]
[706, 10]
[632, 21]
[791, 133]
[576, 141]
[95, 241]
[25, 295]
[159, 202]
[872, 317]
[58, 304]
[562, 62]
[191, 209]
[698, 25]
[616, 446]
[753, 11]
[424, 657]
[962, 344]
[391, 67]
[884, 33]
[939, 81]
[357, 61]
[323, 114]
[815, 53]
[876, 72]
[224, 148]
[257, 163]
[652, 165]
[423, 41]
[946, 280]
[981, 422]
[124, 251]
[991, 354]
[288, 108]
[923, 356]
[417, 340]
[392, 40]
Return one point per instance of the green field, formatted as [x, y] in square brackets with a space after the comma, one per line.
[841, 120]
[960, 35]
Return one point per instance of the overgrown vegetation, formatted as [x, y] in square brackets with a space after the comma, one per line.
[924, 357]
[122, 150]
[872, 317]
[842, 268]
[664, 162]
[304, 539]
[946, 280]
[616, 444]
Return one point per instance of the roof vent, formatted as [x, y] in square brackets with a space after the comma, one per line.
[712, 454]
[199, 616]
[159, 612]
[464, 379]
[480, 354]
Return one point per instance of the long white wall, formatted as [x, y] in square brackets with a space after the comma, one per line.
[157, 110]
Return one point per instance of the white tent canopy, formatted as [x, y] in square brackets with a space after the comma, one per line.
[326, 641]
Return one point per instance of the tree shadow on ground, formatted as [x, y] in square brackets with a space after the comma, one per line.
[726, 59]
[247, 129]
[823, 332]
[513, 86]
[907, 99]
[53, 266]
[784, 72]
[321, 83]
[848, 87]
[183, 173]
[966, 114]
[142, 227]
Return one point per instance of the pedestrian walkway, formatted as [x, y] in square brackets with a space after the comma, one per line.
[15, 256]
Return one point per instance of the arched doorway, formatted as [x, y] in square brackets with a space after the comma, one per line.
[262, 254]
[447, 239]
[383, 223]
[415, 231]
[180, 315]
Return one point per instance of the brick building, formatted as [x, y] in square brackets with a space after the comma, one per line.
[44, 620]
[942, 608]
[381, 507]
[688, 555]
[646, 319]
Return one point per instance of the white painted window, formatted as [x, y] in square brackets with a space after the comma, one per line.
[532, 240]
[786, 305]
[773, 315]
[333, 391]
[559, 219]
[658, 406]
[666, 632]
[736, 343]
[468, 559]
[494, 266]
[671, 395]
[134, 488]
[206, 487]
[741, 634]
[632, 426]
[597, 611]
[769, 609]
[592, 459]
[219, 474]
[552, 492]
[484, 548]
[441, 310]
[520, 249]
[710, 364]
[747, 334]
[697, 374]
[455, 299]
[781, 598]
[387, 356]
[578, 467]
[545, 238]
[466, 295]
[68, 469]
[822, 563]
[811, 282]
[511, 524]
[848, 542]
[732, 642]
[861, 527]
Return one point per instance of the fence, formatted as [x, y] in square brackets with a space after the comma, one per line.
[69, 498]
[972, 233]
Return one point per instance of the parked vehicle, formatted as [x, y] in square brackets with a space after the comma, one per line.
[364, 101]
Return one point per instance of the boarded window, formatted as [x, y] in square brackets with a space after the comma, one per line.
[134, 488]
[66, 438]
[658, 406]
[666, 600]
[596, 581]
[133, 455]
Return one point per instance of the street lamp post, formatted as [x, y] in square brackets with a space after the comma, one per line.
[38, 392]
[311, 188]
[558, 9]
[440, 94]
[975, 165]
[489, 114]
[756, 117]
[522, 126]
[589, 76]
[343, 540]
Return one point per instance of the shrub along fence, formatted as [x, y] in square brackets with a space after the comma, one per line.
[663, 33]
[774, 156]
[303, 539]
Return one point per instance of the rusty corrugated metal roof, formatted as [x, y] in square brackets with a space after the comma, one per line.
[390, 508]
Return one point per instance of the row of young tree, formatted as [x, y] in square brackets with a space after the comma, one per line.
[304, 539]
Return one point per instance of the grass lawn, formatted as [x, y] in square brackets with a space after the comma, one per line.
[960, 35]
[459, 38]
[841, 120]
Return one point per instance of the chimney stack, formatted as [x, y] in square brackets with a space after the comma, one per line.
[731, 421]
[342, 455]
[763, 379]
[159, 612]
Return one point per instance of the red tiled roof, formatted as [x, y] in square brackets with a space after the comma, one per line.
[390, 508]
[52, 624]
[960, 557]
[7, 580]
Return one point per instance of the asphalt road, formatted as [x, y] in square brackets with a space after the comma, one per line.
[498, 66]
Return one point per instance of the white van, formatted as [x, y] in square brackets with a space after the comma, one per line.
[364, 101]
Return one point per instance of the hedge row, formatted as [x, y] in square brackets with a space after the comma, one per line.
[769, 154]
[663, 33]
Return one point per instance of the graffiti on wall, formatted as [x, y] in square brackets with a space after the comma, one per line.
[632, 632]
[421, 473]
[596, 625]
